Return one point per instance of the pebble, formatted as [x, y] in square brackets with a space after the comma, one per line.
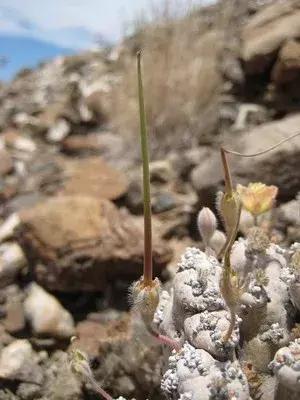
[46, 315]
[12, 260]
[8, 227]
[19, 362]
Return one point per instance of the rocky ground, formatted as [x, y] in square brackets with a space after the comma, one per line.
[71, 207]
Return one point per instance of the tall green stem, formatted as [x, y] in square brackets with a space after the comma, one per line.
[146, 180]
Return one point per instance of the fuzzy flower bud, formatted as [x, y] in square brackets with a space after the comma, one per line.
[238, 257]
[217, 241]
[230, 209]
[145, 298]
[80, 364]
[207, 224]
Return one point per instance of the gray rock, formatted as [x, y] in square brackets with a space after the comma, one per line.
[19, 362]
[14, 311]
[289, 212]
[164, 201]
[6, 394]
[29, 391]
[60, 383]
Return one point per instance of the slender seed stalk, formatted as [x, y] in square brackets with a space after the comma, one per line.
[146, 291]
[230, 291]
[230, 208]
[228, 180]
[148, 269]
[236, 153]
[163, 339]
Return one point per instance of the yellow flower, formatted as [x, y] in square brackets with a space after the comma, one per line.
[257, 198]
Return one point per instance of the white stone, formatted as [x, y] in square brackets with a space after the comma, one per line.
[8, 227]
[25, 144]
[12, 260]
[58, 131]
[46, 315]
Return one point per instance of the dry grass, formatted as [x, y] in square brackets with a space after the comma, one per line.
[181, 78]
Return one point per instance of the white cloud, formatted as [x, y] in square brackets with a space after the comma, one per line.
[70, 23]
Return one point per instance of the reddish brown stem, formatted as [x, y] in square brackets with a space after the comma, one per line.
[165, 340]
[148, 269]
[99, 390]
[227, 175]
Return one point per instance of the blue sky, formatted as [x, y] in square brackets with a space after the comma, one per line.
[65, 25]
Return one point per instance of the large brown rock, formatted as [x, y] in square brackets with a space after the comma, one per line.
[79, 243]
[81, 143]
[6, 163]
[110, 146]
[266, 32]
[92, 335]
[287, 67]
[207, 176]
[93, 177]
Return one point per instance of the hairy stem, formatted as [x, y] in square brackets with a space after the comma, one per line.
[255, 220]
[98, 389]
[228, 291]
[168, 341]
[146, 180]
[164, 339]
[233, 233]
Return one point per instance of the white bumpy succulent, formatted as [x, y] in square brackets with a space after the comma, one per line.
[286, 367]
[195, 314]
